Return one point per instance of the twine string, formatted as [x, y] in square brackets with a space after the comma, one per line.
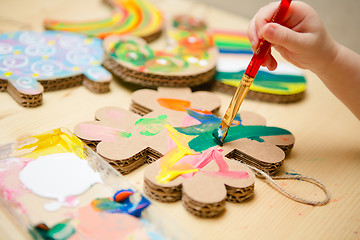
[271, 180]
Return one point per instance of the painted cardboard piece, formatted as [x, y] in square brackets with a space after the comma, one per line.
[189, 23]
[127, 141]
[286, 84]
[116, 128]
[136, 17]
[189, 59]
[34, 62]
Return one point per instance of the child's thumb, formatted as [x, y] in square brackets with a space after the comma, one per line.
[281, 36]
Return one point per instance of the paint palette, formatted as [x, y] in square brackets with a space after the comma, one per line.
[56, 187]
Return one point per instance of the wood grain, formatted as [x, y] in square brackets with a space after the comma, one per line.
[327, 145]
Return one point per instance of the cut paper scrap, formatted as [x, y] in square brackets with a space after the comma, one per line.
[186, 119]
[285, 84]
[189, 59]
[34, 62]
[44, 176]
[136, 17]
[65, 193]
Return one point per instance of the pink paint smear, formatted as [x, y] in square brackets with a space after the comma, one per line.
[199, 161]
[99, 132]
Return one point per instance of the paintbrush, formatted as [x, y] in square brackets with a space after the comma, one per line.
[264, 46]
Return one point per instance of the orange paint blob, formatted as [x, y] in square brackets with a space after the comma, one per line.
[174, 104]
[200, 111]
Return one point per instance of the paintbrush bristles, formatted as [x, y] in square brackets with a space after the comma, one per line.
[234, 106]
[220, 133]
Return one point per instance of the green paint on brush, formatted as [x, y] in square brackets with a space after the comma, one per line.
[206, 140]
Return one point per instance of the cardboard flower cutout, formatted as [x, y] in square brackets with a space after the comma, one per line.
[176, 126]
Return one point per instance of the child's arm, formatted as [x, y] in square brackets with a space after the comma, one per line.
[304, 41]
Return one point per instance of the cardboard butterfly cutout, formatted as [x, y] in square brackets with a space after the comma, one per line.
[127, 141]
[34, 62]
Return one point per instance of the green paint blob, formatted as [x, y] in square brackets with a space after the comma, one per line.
[124, 134]
[163, 63]
[152, 126]
[205, 140]
[61, 231]
[131, 52]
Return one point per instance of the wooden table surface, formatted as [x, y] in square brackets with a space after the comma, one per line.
[327, 145]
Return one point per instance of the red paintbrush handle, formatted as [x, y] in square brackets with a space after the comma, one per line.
[264, 45]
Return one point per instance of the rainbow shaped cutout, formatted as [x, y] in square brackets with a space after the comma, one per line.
[235, 53]
[136, 17]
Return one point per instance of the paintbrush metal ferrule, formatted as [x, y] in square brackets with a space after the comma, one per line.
[241, 91]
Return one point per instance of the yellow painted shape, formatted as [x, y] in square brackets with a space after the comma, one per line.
[293, 88]
[58, 140]
[7, 74]
[168, 171]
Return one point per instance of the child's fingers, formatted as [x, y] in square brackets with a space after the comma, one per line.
[264, 15]
[270, 62]
[283, 36]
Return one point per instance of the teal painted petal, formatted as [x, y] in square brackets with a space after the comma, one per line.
[203, 117]
[206, 140]
[198, 129]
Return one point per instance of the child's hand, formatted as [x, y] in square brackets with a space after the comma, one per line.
[301, 39]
